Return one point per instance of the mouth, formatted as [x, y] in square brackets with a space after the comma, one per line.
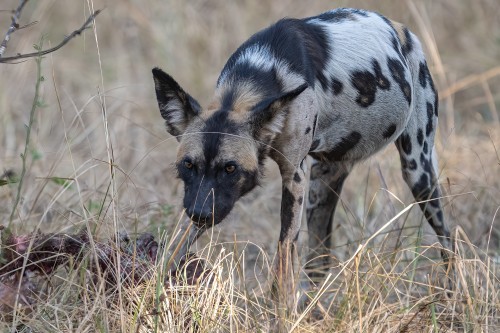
[202, 222]
[208, 221]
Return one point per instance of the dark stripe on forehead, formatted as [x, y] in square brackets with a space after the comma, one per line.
[228, 99]
[215, 128]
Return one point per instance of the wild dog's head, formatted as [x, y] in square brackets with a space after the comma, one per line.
[221, 149]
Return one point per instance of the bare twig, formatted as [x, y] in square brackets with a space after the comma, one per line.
[57, 47]
[13, 26]
[36, 103]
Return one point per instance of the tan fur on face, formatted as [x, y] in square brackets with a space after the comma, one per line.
[242, 150]
[213, 107]
[232, 148]
[190, 144]
[246, 98]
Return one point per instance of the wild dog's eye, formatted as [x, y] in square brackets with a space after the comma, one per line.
[230, 168]
[188, 164]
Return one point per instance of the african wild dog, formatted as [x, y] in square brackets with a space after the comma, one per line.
[338, 87]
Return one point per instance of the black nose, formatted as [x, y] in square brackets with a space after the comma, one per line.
[200, 215]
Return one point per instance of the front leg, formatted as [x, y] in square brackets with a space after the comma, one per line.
[287, 263]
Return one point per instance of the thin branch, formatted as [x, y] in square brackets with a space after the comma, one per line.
[66, 39]
[27, 25]
[34, 106]
[13, 26]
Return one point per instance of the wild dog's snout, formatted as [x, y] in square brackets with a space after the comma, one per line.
[200, 215]
[200, 210]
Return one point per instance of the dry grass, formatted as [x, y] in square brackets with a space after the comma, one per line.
[99, 106]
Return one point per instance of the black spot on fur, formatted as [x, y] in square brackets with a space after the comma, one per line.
[430, 116]
[408, 46]
[228, 99]
[431, 82]
[411, 165]
[386, 20]
[430, 216]
[340, 14]
[366, 84]
[398, 74]
[421, 188]
[301, 199]
[296, 177]
[405, 142]
[425, 163]
[389, 131]
[382, 81]
[342, 148]
[316, 45]
[396, 44]
[435, 203]
[315, 123]
[425, 148]
[315, 144]
[308, 129]
[323, 81]
[337, 86]
[251, 179]
[420, 136]
[287, 201]
[422, 191]
[422, 74]
[436, 102]
[407, 93]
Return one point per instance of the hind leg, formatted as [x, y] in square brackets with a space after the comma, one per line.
[326, 183]
[419, 166]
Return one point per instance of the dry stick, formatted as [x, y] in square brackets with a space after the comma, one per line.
[57, 47]
[23, 172]
[13, 26]
[28, 134]
[470, 81]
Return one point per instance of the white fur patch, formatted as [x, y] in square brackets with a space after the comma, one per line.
[260, 57]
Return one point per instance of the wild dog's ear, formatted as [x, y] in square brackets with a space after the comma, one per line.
[268, 116]
[177, 107]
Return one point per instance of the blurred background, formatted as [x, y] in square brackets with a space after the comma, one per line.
[101, 81]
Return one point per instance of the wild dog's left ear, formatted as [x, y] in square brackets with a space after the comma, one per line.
[268, 116]
[177, 107]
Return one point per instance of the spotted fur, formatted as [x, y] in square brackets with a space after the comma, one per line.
[339, 87]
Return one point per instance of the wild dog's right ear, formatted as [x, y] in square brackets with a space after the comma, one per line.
[177, 107]
[268, 116]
